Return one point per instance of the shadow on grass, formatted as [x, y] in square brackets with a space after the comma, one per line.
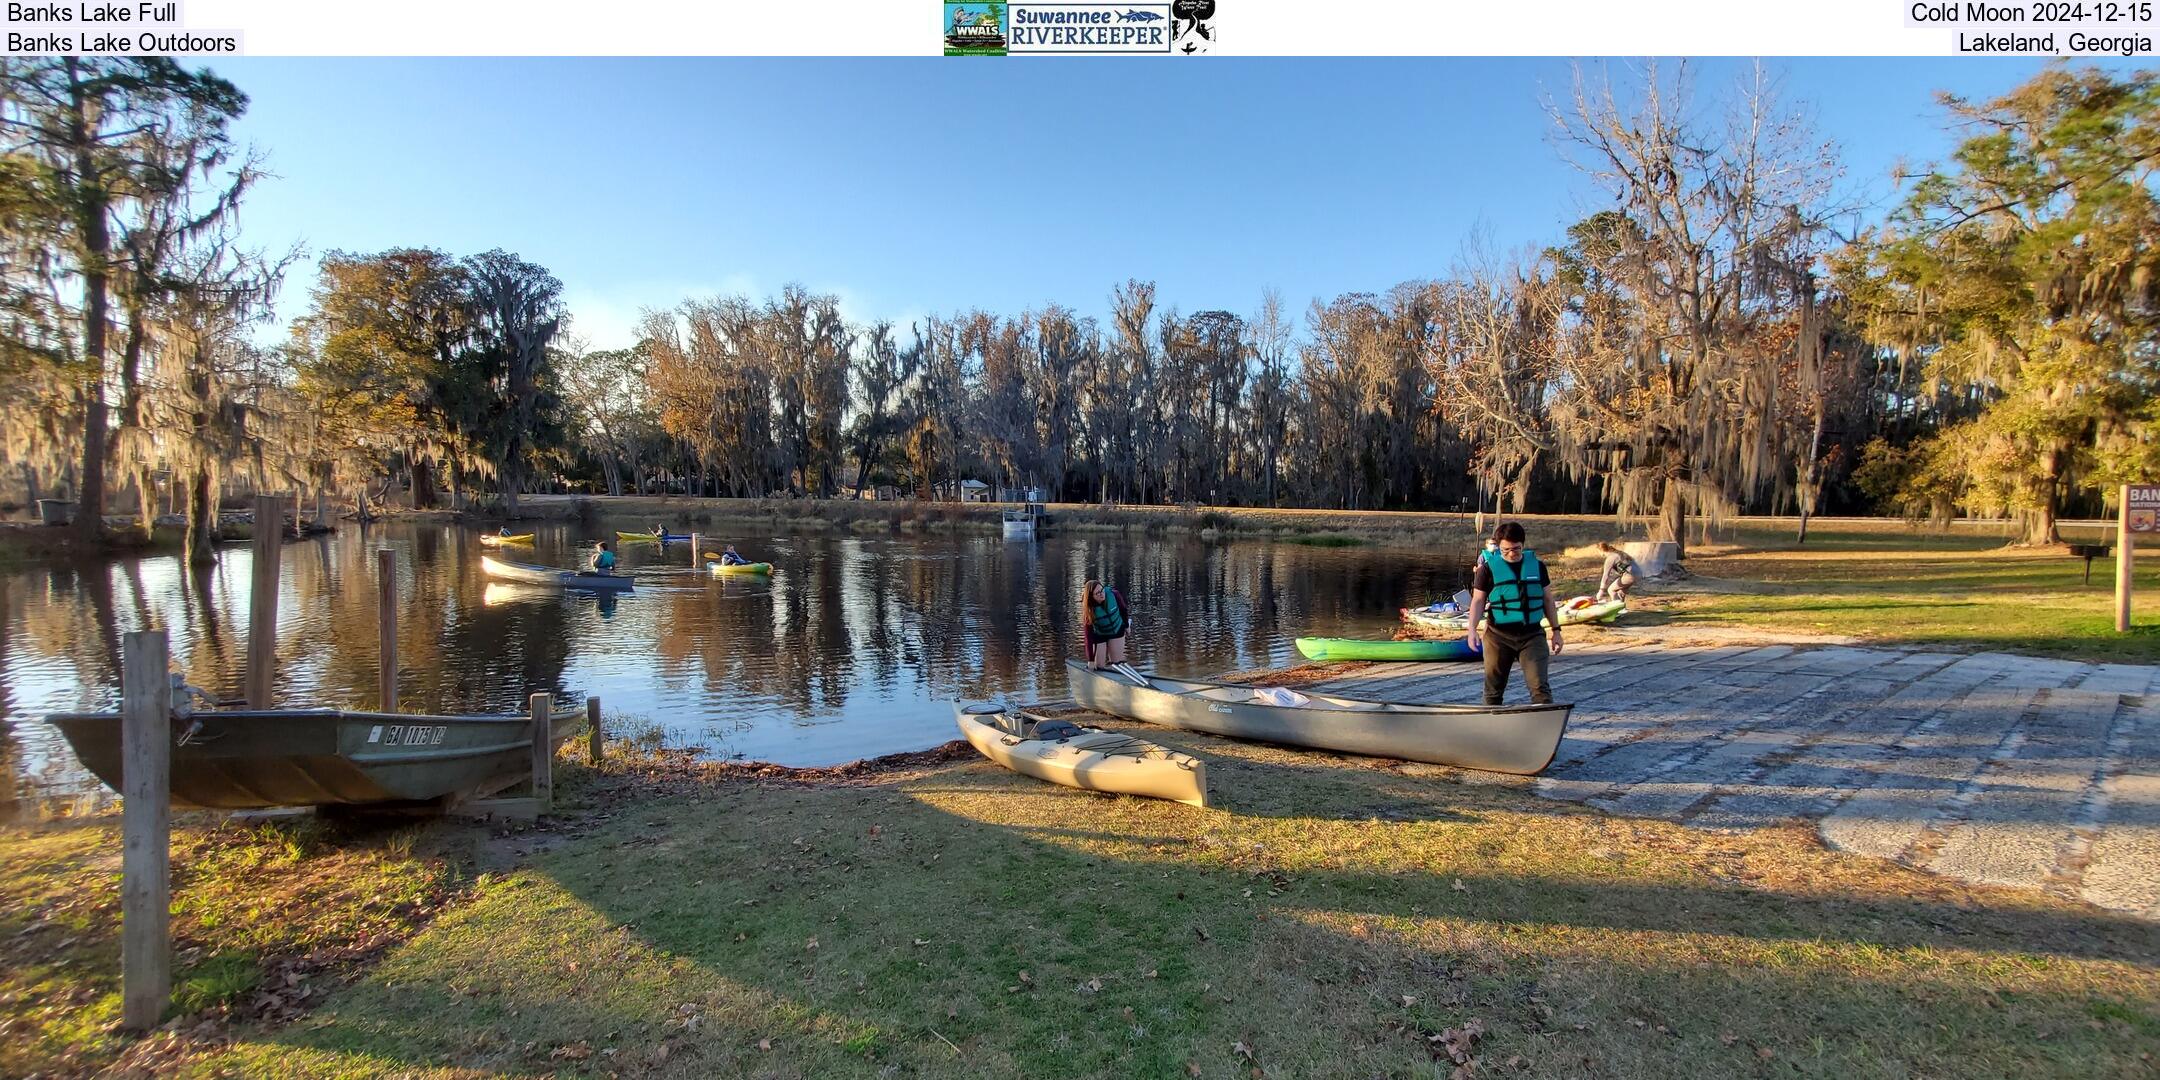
[973, 922]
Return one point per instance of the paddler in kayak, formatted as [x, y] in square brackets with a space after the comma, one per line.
[730, 557]
[1511, 596]
[603, 559]
[1104, 621]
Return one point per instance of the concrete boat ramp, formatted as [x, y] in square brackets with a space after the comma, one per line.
[1987, 767]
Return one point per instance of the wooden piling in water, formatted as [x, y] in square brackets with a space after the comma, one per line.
[145, 825]
[386, 621]
[697, 545]
[262, 601]
[543, 753]
[595, 740]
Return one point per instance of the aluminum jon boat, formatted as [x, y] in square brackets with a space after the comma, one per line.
[1504, 738]
[247, 760]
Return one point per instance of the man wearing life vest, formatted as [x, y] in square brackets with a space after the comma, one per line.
[1511, 602]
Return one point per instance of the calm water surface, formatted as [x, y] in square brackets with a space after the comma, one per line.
[853, 647]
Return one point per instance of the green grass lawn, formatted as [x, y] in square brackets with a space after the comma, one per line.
[1905, 587]
[1332, 918]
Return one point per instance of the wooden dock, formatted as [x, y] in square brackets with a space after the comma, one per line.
[1987, 767]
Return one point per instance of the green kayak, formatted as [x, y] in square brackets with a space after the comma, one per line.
[1583, 609]
[1324, 648]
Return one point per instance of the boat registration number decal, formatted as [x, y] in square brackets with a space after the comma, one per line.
[408, 734]
[1218, 708]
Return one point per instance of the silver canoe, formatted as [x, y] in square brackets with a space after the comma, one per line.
[1503, 738]
[549, 575]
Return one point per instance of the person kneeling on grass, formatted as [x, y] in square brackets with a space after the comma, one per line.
[1511, 597]
[1619, 575]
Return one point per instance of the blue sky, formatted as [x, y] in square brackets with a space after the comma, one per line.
[910, 186]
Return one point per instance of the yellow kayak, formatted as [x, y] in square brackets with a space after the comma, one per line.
[718, 568]
[653, 538]
[492, 540]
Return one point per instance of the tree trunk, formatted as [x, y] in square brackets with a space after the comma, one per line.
[146, 498]
[423, 484]
[90, 508]
[2039, 524]
[91, 208]
[201, 522]
[862, 466]
[1672, 516]
[1810, 473]
[131, 367]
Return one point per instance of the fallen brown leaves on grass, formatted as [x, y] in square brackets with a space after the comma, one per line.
[1304, 675]
[667, 769]
[1458, 1045]
[268, 921]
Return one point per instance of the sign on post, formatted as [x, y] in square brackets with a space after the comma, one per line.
[2143, 507]
[2140, 515]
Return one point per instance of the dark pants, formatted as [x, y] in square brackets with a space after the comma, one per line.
[1502, 649]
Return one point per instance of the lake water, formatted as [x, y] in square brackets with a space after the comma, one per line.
[854, 647]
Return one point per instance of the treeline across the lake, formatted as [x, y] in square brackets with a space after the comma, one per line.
[1718, 339]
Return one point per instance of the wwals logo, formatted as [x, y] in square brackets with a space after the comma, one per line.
[975, 29]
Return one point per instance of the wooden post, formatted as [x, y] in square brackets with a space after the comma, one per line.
[595, 740]
[543, 752]
[262, 602]
[696, 554]
[386, 622]
[145, 819]
[2124, 555]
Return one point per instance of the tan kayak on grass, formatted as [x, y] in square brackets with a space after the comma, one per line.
[1090, 759]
